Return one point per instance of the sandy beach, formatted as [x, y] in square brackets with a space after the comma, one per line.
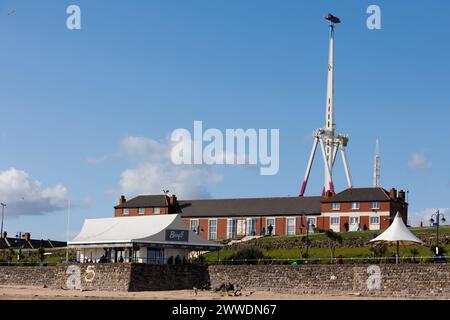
[40, 293]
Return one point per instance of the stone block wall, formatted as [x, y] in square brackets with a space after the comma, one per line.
[404, 280]
[167, 277]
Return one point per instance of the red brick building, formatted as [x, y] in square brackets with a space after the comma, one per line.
[218, 219]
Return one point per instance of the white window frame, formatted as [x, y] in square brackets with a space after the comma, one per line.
[353, 218]
[311, 221]
[190, 225]
[247, 231]
[335, 206]
[156, 210]
[230, 234]
[355, 206]
[375, 207]
[126, 211]
[139, 211]
[292, 233]
[273, 225]
[338, 221]
[374, 223]
[209, 230]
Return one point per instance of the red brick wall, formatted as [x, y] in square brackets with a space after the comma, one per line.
[134, 212]
[384, 223]
[222, 228]
[280, 226]
[364, 220]
[323, 223]
[402, 208]
[298, 225]
[203, 224]
[363, 206]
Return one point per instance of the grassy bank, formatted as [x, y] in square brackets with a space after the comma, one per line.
[53, 256]
[270, 246]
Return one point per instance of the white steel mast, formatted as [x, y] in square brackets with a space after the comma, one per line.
[377, 166]
[330, 141]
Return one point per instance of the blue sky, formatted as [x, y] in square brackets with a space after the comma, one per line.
[72, 101]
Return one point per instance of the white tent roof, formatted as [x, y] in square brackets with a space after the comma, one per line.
[141, 229]
[397, 232]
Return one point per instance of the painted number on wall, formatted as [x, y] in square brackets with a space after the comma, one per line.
[73, 281]
[374, 280]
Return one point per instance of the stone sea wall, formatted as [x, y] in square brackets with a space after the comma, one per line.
[389, 280]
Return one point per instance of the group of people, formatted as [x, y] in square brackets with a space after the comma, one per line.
[269, 230]
[176, 260]
[347, 227]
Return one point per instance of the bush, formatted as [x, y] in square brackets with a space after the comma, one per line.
[198, 260]
[249, 255]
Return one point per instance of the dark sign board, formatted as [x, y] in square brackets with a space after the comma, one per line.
[177, 235]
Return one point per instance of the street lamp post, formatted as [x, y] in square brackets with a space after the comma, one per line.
[439, 218]
[307, 231]
[68, 230]
[3, 214]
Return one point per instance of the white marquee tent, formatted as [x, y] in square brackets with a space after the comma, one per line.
[397, 233]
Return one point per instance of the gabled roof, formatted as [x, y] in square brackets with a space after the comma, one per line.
[360, 194]
[280, 206]
[145, 202]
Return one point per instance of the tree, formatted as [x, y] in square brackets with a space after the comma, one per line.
[334, 239]
[379, 250]
[304, 246]
[41, 252]
[414, 252]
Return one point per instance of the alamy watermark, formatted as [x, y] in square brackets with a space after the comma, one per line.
[73, 21]
[234, 147]
[374, 20]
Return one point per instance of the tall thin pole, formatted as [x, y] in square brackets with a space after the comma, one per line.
[3, 214]
[437, 229]
[398, 253]
[68, 230]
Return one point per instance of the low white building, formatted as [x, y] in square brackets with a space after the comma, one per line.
[140, 239]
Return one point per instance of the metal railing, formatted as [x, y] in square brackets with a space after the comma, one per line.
[328, 260]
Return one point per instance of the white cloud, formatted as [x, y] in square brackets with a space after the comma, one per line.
[425, 215]
[25, 196]
[419, 161]
[153, 171]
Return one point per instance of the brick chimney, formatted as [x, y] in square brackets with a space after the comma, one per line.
[173, 200]
[328, 194]
[393, 194]
[122, 199]
[27, 236]
[401, 195]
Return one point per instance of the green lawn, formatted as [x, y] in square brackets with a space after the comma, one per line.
[358, 234]
[32, 255]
